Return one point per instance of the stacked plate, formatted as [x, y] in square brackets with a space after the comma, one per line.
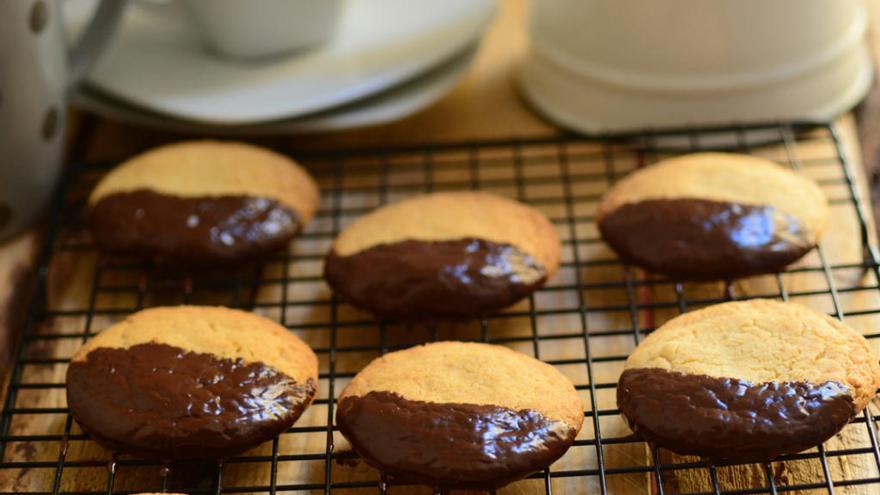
[389, 58]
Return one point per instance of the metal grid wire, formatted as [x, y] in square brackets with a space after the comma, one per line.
[584, 322]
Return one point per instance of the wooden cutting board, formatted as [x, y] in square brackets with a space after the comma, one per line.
[551, 326]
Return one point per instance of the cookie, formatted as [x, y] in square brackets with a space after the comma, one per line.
[443, 256]
[201, 203]
[747, 381]
[459, 415]
[190, 382]
[713, 216]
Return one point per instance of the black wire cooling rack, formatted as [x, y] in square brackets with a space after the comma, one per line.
[585, 322]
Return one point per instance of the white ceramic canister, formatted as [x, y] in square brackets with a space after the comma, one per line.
[599, 66]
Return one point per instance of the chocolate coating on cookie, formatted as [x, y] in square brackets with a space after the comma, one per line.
[162, 401]
[451, 446]
[727, 419]
[747, 381]
[699, 239]
[455, 279]
[191, 231]
[451, 255]
[459, 415]
[713, 216]
[202, 204]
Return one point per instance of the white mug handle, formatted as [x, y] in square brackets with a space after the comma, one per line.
[86, 50]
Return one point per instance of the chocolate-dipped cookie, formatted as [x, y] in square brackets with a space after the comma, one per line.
[459, 415]
[190, 382]
[713, 216]
[448, 255]
[201, 203]
[747, 381]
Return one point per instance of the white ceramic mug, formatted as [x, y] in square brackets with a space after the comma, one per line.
[248, 29]
[37, 71]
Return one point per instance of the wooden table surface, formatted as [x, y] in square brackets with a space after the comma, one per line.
[483, 105]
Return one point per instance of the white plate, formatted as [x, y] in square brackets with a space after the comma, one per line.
[392, 104]
[161, 65]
